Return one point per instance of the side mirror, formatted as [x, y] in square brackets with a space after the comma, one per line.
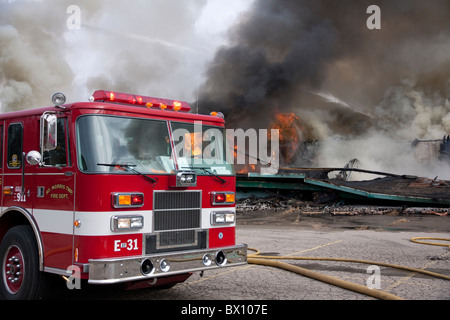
[34, 158]
[48, 132]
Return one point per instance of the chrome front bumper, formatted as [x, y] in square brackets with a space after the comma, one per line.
[107, 271]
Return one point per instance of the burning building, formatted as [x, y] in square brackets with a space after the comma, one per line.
[360, 93]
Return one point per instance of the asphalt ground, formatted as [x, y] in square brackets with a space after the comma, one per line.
[379, 238]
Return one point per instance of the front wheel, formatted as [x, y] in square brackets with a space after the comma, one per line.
[19, 258]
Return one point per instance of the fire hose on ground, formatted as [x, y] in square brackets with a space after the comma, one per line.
[274, 261]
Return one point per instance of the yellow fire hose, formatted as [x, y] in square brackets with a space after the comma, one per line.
[416, 240]
[273, 261]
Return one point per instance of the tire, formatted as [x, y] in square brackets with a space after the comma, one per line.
[19, 261]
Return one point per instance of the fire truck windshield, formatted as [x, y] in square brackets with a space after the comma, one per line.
[145, 146]
[202, 147]
[140, 143]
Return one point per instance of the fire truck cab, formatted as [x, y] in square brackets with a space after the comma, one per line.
[123, 188]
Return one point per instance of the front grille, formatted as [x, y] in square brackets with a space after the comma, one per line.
[176, 220]
[175, 210]
[177, 200]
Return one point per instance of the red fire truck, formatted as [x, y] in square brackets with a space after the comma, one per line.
[123, 188]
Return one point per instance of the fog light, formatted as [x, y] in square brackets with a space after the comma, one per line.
[221, 258]
[164, 265]
[147, 267]
[207, 260]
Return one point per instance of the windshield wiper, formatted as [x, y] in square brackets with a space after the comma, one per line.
[128, 167]
[206, 169]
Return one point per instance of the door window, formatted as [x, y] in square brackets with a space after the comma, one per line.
[15, 145]
[58, 156]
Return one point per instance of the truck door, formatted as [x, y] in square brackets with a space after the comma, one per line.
[2, 144]
[15, 193]
[54, 196]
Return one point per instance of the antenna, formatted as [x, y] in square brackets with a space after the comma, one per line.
[197, 103]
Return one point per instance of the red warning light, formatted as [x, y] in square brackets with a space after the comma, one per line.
[149, 102]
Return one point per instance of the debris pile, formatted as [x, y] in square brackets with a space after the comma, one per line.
[283, 204]
[273, 203]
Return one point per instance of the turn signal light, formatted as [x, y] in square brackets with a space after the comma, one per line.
[218, 198]
[123, 200]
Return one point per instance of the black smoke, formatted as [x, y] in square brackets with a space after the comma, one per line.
[282, 54]
[363, 93]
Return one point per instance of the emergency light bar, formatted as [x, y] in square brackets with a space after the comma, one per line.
[138, 100]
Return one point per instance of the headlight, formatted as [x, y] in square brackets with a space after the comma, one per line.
[122, 223]
[222, 217]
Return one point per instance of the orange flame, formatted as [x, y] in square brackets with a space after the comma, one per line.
[243, 168]
[193, 143]
[290, 132]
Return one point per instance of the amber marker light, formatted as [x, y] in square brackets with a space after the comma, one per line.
[229, 197]
[124, 200]
[7, 190]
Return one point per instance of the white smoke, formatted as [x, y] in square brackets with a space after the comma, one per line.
[31, 60]
[389, 145]
[157, 47]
